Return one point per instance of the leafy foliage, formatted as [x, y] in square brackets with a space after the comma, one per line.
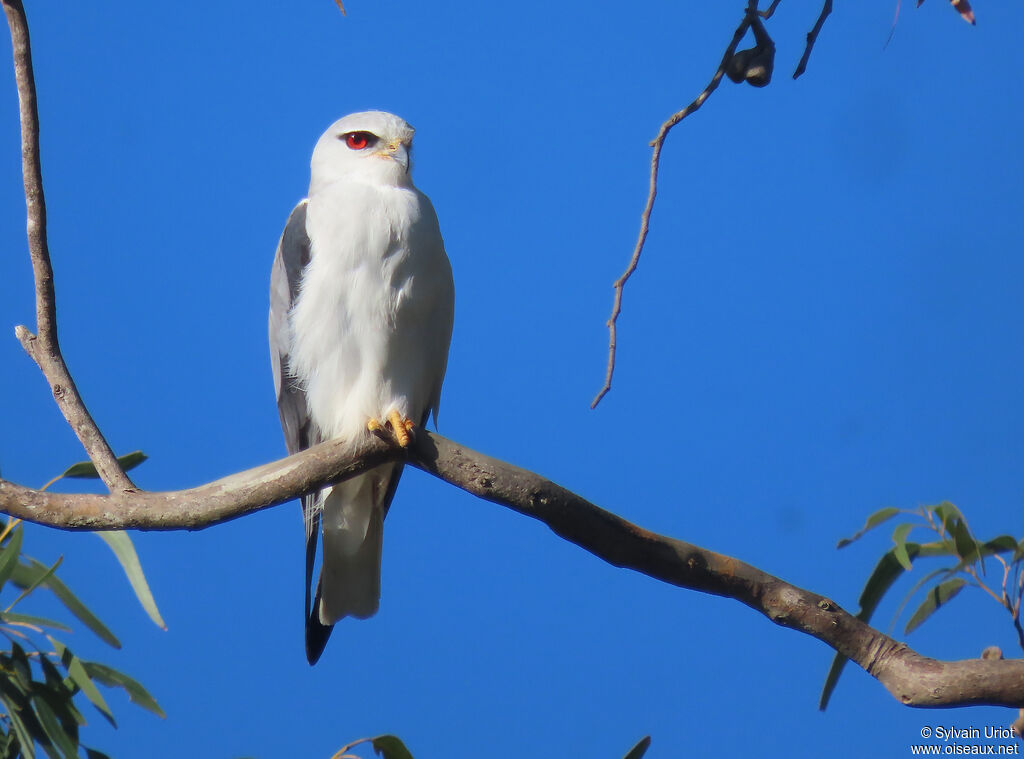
[384, 746]
[965, 566]
[639, 749]
[41, 679]
[390, 747]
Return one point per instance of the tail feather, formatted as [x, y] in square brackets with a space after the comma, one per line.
[317, 633]
[353, 526]
[350, 579]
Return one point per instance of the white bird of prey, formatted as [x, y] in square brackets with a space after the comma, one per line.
[361, 310]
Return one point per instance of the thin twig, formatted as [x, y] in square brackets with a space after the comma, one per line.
[766, 14]
[981, 584]
[43, 346]
[812, 37]
[645, 217]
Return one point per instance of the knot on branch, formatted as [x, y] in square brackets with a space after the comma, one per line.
[754, 65]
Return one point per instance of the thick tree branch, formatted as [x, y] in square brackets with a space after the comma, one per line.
[43, 346]
[913, 679]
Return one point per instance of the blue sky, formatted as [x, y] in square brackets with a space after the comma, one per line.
[826, 321]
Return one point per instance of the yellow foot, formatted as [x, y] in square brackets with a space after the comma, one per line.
[400, 427]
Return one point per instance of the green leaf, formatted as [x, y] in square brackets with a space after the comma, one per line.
[1002, 544]
[20, 669]
[10, 618]
[880, 516]
[888, 570]
[639, 749]
[114, 679]
[28, 570]
[947, 571]
[966, 546]
[38, 581]
[59, 697]
[62, 691]
[956, 525]
[87, 470]
[124, 550]
[899, 537]
[939, 595]
[92, 753]
[26, 743]
[76, 671]
[831, 680]
[9, 555]
[390, 747]
[67, 747]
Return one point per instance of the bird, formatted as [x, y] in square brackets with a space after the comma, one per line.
[362, 304]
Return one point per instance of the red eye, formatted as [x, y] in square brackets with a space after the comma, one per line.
[359, 140]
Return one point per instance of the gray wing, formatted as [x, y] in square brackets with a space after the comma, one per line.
[299, 432]
[291, 257]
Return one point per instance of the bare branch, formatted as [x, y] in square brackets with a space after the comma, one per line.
[812, 37]
[196, 508]
[43, 347]
[645, 217]
[911, 678]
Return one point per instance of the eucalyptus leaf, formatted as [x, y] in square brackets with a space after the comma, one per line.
[51, 726]
[966, 546]
[390, 747]
[11, 618]
[26, 743]
[947, 571]
[29, 570]
[899, 552]
[831, 680]
[1002, 544]
[20, 669]
[941, 594]
[880, 516]
[113, 679]
[121, 544]
[9, 555]
[59, 696]
[639, 749]
[76, 671]
[38, 581]
[87, 470]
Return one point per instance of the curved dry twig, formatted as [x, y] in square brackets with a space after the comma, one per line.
[43, 347]
[812, 37]
[645, 217]
[913, 679]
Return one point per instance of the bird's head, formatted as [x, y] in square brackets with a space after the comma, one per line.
[372, 146]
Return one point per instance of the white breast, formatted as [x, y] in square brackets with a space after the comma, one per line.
[371, 324]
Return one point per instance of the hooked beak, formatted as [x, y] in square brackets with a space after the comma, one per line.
[399, 152]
